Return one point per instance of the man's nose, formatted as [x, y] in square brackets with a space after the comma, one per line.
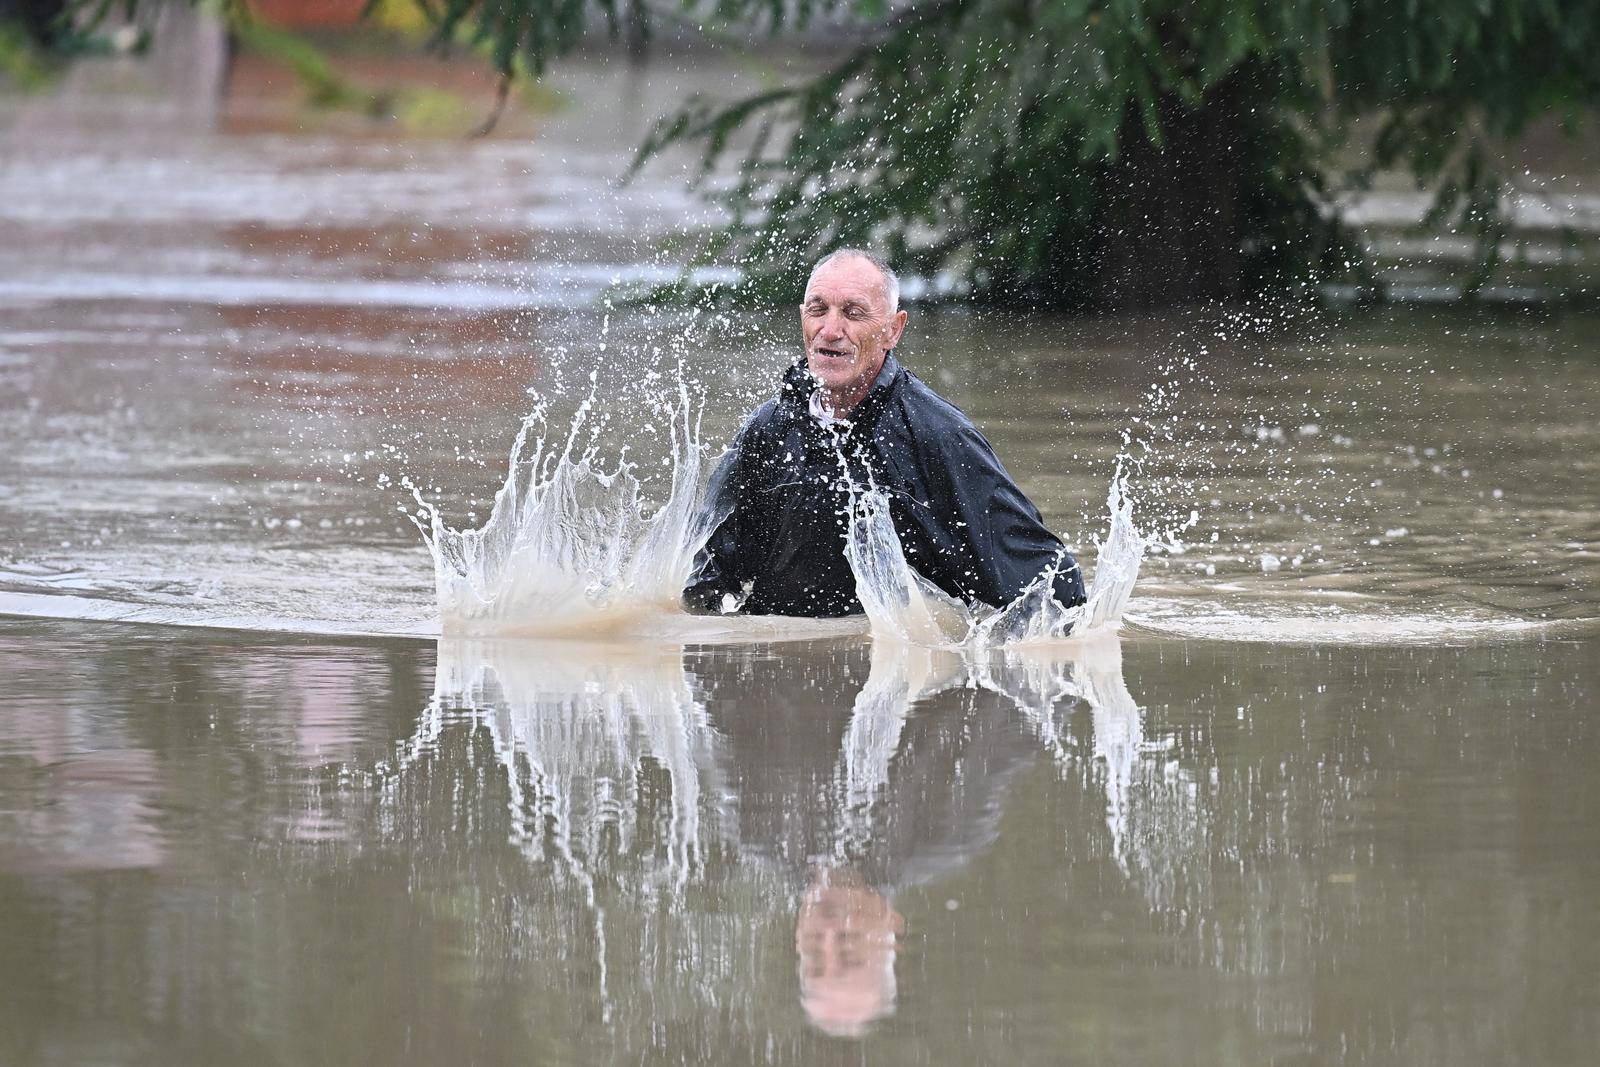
[833, 325]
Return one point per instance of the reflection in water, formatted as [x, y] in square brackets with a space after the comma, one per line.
[845, 940]
[577, 729]
[1041, 685]
[216, 848]
[901, 676]
[653, 777]
[101, 740]
[93, 812]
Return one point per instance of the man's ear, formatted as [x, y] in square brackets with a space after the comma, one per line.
[897, 326]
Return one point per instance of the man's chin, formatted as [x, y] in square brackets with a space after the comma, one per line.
[838, 379]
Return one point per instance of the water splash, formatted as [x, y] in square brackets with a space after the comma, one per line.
[904, 606]
[901, 604]
[572, 549]
[569, 547]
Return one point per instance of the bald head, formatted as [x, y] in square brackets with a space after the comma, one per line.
[891, 282]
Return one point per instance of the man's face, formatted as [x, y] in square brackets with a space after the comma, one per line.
[847, 326]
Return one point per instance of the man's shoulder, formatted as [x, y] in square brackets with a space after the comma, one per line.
[763, 428]
[764, 417]
[932, 417]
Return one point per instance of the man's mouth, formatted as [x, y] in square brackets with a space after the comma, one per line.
[831, 353]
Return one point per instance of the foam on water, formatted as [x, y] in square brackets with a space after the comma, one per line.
[1368, 623]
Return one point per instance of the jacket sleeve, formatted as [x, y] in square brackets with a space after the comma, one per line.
[721, 566]
[1002, 541]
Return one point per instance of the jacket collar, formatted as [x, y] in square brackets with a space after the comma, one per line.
[798, 385]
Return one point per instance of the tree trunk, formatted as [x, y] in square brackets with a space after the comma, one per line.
[1169, 231]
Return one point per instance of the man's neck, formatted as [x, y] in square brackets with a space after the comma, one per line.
[842, 406]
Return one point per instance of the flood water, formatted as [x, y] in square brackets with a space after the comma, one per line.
[1331, 794]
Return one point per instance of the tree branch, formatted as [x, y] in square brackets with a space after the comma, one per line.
[502, 92]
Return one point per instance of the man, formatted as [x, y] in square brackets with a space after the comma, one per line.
[850, 413]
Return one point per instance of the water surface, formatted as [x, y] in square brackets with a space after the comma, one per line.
[1166, 850]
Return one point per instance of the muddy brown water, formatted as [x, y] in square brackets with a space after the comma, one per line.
[1330, 796]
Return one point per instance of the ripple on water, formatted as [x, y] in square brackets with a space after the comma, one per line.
[1283, 623]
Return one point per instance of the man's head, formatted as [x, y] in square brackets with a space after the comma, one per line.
[850, 319]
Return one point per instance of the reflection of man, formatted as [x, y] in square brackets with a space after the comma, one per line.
[845, 937]
[857, 789]
[963, 523]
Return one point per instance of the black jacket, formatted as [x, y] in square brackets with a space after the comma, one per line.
[963, 523]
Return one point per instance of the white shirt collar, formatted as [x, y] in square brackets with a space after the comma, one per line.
[822, 412]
